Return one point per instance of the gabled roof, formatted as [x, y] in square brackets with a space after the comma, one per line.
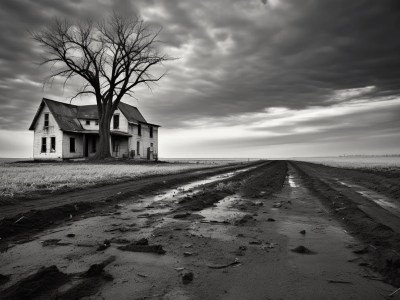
[67, 115]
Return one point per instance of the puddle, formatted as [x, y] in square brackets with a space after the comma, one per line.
[195, 187]
[382, 201]
[222, 210]
[291, 181]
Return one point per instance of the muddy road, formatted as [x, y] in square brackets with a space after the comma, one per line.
[264, 231]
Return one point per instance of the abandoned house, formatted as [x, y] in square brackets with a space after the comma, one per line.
[65, 131]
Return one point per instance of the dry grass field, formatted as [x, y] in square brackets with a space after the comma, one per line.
[383, 163]
[24, 178]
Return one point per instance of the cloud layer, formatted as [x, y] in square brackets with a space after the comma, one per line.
[254, 74]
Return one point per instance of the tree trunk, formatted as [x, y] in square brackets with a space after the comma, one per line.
[103, 150]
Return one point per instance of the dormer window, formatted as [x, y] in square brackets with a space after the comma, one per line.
[46, 120]
[116, 122]
[87, 122]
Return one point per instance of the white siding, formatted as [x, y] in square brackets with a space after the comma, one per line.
[144, 139]
[123, 122]
[78, 145]
[52, 131]
[91, 126]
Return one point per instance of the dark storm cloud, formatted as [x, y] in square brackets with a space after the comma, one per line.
[235, 57]
[294, 54]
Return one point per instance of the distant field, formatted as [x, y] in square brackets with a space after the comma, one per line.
[18, 179]
[362, 162]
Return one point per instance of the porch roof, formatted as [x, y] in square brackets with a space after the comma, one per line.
[96, 132]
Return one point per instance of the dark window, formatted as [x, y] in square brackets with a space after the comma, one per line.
[151, 145]
[44, 145]
[115, 147]
[87, 122]
[96, 122]
[116, 121]
[151, 131]
[139, 130]
[138, 148]
[53, 144]
[72, 145]
[46, 120]
[94, 145]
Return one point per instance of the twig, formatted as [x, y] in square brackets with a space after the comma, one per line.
[340, 281]
[392, 294]
[19, 219]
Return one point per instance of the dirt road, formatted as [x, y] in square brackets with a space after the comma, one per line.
[263, 232]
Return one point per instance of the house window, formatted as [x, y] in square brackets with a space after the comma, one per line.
[53, 144]
[96, 122]
[44, 145]
[72, 145]
[116, 121]
[93, 145]
[139, 132]
[138, 148]
[46, 120]
[87, 122]
[151, 131]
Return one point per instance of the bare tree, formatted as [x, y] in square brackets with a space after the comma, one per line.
[112, 57]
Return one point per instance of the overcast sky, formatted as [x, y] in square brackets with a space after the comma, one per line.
[253, 78]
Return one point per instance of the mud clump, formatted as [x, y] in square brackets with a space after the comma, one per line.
[302, 250]
[142, 245]
[187, 277]
[39, 285]
[244, 220]
[104, 246]
[182, 215]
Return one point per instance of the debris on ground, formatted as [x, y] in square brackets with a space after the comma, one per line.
[104, 246]
[70, 235]
[187, 253]
[302, 250]
[303, 232]
[97, 269]
[182, 215]
[54, 242]
[241, 251]
[142, 245]
[187, 277]
[235, 263]
[277, 204]
[268, 246]
[256, 242]
[270, 220]
[39, 285]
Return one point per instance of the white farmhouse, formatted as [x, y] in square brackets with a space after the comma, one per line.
[65, 131]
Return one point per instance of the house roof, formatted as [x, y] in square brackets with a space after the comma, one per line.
[67, 115]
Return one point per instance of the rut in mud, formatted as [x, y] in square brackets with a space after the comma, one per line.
[58, 208]
[228, 236]
[367, 214]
